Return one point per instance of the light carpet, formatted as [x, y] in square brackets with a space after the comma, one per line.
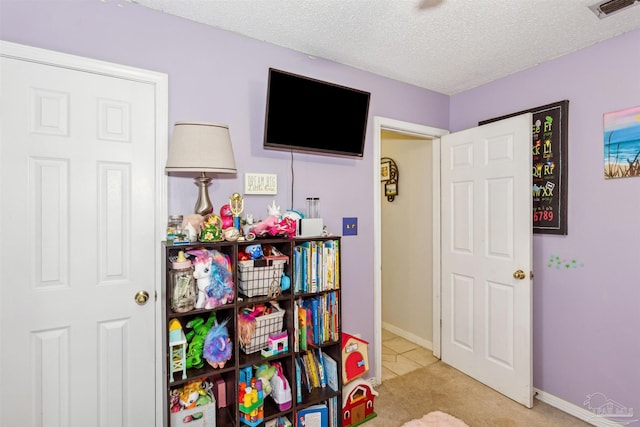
[436, 419]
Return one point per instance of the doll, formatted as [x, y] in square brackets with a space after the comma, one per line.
[217, 345]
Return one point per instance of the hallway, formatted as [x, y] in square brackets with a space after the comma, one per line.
[400, 356]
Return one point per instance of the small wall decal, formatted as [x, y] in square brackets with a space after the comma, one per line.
[558, 263]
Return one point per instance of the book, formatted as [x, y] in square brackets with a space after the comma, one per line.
[331, 371]
[311, 304]
[336, 274]
[304, 374]
[297, 269]
[302, 327]
[320, 363]
[311, 365]
[298, 380]
[313, 416]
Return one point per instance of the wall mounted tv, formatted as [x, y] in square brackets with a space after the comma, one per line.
[309, 115]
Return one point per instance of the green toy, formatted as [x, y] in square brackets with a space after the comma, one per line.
[195, 338]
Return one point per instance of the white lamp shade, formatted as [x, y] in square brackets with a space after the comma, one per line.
[200, 147]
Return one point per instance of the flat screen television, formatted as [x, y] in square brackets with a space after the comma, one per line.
[309, 115]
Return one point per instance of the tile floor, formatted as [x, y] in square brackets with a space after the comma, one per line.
[400, 356]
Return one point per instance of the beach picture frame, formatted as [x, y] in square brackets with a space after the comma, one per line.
[621, 131]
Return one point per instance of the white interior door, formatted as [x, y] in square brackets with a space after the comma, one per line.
[486, 239]
[79, 192]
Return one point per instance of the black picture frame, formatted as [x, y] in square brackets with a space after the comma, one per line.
[550, 131]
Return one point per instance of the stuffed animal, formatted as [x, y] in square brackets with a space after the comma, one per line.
[221, 287]
[196, 337]
[264, 373]
[217, 345]
[202, 274]
[193, 223]
[190, 394]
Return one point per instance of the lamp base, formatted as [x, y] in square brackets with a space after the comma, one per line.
[203, 204]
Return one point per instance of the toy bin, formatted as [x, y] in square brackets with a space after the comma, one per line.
[261, 276]
[269, 324]
[200, 416]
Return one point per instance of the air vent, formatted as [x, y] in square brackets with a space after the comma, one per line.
[609, 7]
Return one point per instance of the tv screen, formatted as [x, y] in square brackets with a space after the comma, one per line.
[309, 115]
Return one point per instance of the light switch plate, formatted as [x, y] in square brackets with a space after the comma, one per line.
[350, 226]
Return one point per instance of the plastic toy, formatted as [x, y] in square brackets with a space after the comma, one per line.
[226, 216]
[174, 401]
[177, 349]
[196, 338]
[355, 361]
[251, 402]
[357, 403]
[211, 229]
[254, 250]
[281, 390]
[217, 345]
[277, 343]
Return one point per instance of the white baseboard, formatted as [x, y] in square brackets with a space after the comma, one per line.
[575, 410]
[408, 336]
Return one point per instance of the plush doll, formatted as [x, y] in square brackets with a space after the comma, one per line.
[196, 337]
[221, 287]
[247, 323]
[217, 345]
[193, 223]
[264, 373]
[202, 274]
[190, 394]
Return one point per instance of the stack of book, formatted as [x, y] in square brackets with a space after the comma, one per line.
[317, 320]
[316, 266]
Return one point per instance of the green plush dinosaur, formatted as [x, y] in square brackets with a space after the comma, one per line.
[195, 338]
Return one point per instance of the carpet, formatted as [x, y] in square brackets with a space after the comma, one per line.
[436, 419]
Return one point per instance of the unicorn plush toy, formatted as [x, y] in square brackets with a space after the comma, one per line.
[202, 274]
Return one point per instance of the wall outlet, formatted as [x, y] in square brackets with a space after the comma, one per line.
[349, 226]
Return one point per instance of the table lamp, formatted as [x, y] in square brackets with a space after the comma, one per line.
[201, 147]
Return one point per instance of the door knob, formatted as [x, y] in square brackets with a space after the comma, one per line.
[519, 274]
[141, 297]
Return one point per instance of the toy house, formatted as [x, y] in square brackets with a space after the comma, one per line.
[355, 360]
[357, 403]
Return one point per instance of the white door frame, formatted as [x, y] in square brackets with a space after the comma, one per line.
[160, 82]
[380, 124]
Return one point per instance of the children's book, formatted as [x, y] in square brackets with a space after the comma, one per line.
[313, 416]
[331, 371]
[302, 328]
[320, 363]
[298, 381]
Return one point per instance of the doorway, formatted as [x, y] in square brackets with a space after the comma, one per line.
[82, 155]
[418, 147]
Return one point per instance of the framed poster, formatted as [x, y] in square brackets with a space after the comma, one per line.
[549, 150]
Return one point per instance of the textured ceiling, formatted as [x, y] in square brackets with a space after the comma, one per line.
[444, 45]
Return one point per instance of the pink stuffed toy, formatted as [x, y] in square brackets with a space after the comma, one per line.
[227, 216]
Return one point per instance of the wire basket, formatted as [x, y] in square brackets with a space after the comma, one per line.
[260, 277]
[269, 324]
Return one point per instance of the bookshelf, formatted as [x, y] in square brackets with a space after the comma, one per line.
[321, 291]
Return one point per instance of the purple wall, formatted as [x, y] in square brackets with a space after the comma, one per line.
[221, 77]
[586, 319]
